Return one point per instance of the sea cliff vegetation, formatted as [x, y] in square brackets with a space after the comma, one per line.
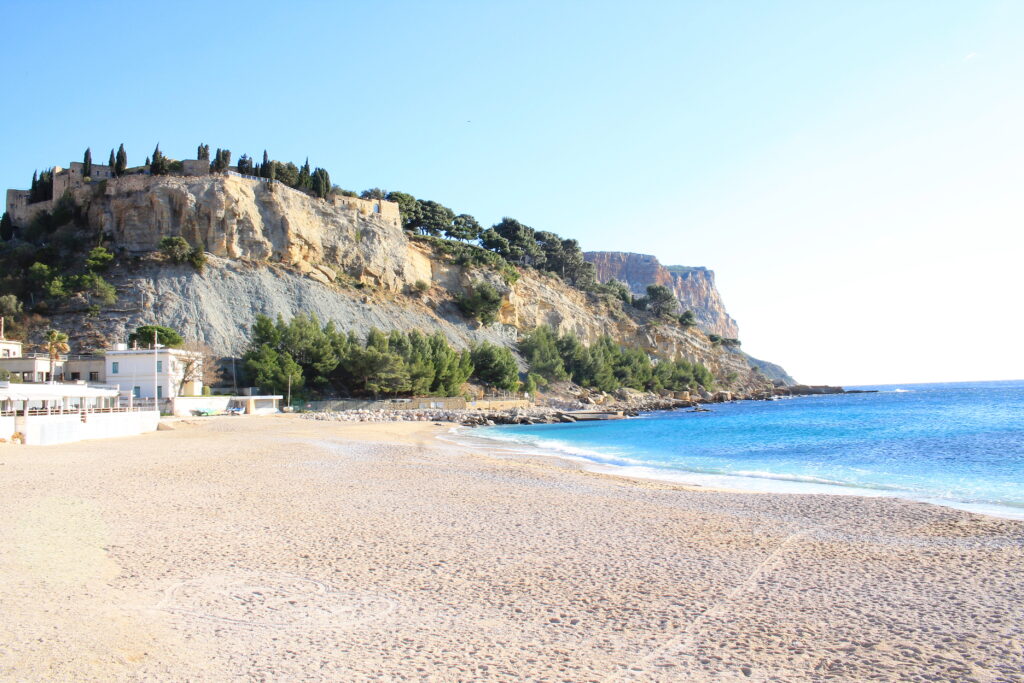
[485, 290]
[315, 359]
[53, 241]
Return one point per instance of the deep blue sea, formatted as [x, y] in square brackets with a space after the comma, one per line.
[959, 444]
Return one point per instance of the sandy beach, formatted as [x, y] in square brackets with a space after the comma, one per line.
[281, 549]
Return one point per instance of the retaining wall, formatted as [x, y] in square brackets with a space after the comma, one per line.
[47, 430]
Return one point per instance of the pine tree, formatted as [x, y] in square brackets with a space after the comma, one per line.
[87, 163]
[120, 161]
[158, 165]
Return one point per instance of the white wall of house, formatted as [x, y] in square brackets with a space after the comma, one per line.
[31, 369]
[10, 348]
[145, 373]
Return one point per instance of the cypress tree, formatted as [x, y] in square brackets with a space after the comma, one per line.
[87, 163]
[321, 183]
[120, 161]
[158, 166]
[110, 162]
[305, 179]
[265, 168]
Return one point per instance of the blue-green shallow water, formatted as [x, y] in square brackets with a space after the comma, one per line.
[954, 444]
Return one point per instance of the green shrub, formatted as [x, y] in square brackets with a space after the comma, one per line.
[606, 365]
[197, 257]
[98, 260]
[495, 366]
[482, 303]
[472, 256]
[165, 336]
[177, 250]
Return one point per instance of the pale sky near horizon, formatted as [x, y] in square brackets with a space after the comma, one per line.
[852, 172]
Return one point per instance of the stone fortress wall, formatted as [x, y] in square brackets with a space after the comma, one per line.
[68, 179]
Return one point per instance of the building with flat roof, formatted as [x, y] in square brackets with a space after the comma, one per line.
[10, 348]
[154, 373]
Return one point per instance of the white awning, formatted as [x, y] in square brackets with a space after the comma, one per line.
[52, 392]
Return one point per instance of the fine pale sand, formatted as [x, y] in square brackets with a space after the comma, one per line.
[283, 549]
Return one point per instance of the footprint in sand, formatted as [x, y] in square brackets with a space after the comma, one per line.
[272, 601]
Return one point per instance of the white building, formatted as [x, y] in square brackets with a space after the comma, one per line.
[46, 414]
[27, 367]
[10, 348]
[154, 373]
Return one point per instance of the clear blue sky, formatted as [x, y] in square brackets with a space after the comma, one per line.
[852, 171]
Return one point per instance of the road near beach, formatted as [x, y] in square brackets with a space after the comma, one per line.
[281, 549]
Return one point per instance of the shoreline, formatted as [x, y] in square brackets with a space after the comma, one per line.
[282, 548]
[713, 481]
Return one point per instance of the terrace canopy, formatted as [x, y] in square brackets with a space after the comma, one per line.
[55, 397]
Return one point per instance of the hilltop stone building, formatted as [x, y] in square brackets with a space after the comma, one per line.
[21, 211]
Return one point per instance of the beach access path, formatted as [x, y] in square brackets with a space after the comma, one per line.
[275, 548]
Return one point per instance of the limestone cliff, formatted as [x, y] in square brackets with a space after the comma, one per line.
[694, 287]
[275, 251]
[241, 219]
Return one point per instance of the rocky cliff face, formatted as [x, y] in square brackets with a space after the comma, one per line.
[246, 220]
[274, 251]
[693, 287]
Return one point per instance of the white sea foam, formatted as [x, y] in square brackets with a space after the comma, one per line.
[610, 461]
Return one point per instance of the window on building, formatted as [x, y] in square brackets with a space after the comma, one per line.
[159, 366]
[75, 376]
[114, 367]
[137, 392]
[159, 391]
[94, 377]
[376, 208]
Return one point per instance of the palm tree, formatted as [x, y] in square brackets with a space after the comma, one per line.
[56, 344]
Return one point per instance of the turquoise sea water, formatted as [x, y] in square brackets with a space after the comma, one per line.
[953, 444]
